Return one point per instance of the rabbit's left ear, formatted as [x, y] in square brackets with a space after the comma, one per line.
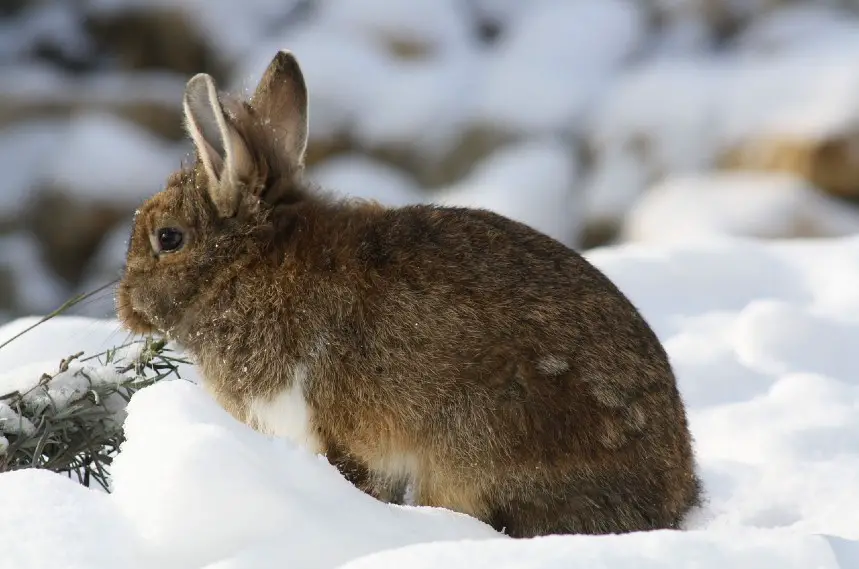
[281, 99]
[225, 155]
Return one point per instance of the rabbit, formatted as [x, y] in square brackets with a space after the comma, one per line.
[452, 352]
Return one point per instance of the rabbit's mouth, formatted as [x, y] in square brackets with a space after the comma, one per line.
[132, 319]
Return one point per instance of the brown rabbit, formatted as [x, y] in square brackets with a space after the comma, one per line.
[482, 362]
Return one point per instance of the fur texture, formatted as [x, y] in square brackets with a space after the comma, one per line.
[483, 362]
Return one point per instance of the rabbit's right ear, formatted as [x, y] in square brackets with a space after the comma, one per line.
[223, 152]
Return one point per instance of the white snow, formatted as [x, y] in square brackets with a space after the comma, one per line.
[94, 156]
[22, 157]
[358, 176]
[760, 334]
[656, 550]
[36, 289]
[532, 182]
[799, 28]
[36, 84]
[752, 204]
[230, 29]
[674, 116]
[108, 158]
[554, 60]
[437, 24]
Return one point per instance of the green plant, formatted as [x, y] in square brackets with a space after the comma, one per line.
[71, 420]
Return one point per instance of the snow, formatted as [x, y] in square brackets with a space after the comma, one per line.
[359, 176]
[434, 23]
[656, 550]
[752, 204]
[554, 60]
[22, 159]
[40, 84]
[532, 182]
[35, 288]
[760, 334]
[108, 158]
[94, 155]
[230, 29]
[799, 28]
[677, 115]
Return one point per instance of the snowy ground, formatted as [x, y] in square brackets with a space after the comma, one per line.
[762, 337]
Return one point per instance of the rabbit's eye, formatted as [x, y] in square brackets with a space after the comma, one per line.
[169, 239]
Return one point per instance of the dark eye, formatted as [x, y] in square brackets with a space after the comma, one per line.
[169, 239]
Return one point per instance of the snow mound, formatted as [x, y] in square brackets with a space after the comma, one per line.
[438, 24]
[675, 116]
[653, 550]
[359, 176]
[704, 206]
[22, 159]
[761, 335]
[106, 158]
[532, 182]
[34, 287]
[555, 59]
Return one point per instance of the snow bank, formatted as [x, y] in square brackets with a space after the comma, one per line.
[761, 335]
[106, 158]
[95, 156]
[654, 550]
[358, 176]
[35, 288]
[554, 59]
[674, 116]
[751, 204]
[532, 182]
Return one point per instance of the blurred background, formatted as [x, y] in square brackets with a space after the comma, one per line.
[595, 121]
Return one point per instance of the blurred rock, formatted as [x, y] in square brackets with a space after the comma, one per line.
[89, 176]
[48, 31]
[8, 296]
[414, 30]
[9, 8]
[162, 120]
[433, 170]
[723, 19]
[360, 176]
[151, 100]
[799, 27]
[156, 37]
[321, 149]
[27, 287]
[830, 163]
[70, 230]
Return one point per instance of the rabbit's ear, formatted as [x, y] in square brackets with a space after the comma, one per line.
[222, 150]
[281, 99]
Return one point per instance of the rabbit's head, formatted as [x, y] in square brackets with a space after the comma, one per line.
[201, 226]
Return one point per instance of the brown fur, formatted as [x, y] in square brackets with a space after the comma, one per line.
[486, 363]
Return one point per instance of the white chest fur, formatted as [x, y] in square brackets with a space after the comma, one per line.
[287, 414]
